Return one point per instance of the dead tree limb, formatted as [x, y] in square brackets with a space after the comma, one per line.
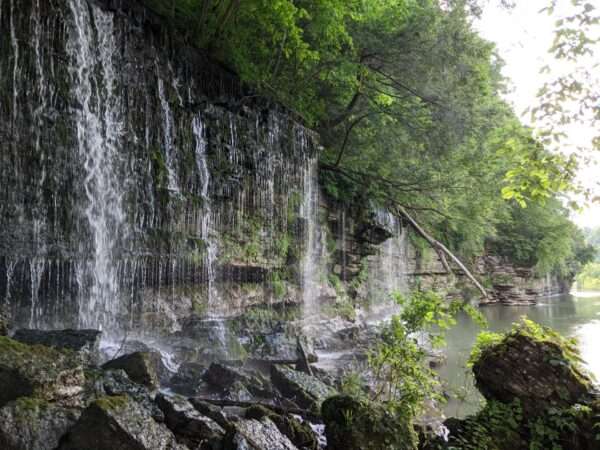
[439, 247]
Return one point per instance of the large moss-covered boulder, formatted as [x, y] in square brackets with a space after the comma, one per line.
[118, 422]
[305, 390]
[352, 424]
[37, 371]
[32, 424]
[85, 343]
[534, 365]
[189, 426]
[141, 367]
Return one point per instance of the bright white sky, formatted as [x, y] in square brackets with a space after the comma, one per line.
[523, 36]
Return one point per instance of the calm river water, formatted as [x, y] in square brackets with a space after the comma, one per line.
[576, 315]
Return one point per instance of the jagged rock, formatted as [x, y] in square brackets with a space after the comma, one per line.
[118, 422]
[141, 367]
[236, 383]
[213, 412]
[222, 376]
[189, 426]
[187, 379]
[116, 382]
[259, 435]
[32, 424]
[37, 371]
[536, 370]
[306, 390]
[86, 343]
[351, 424]
[299, 433]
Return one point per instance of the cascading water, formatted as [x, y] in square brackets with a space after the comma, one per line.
[168, 137]
[99, 128]
[310, 261]
[388, 269]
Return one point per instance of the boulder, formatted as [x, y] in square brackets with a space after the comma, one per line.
[238, 384]
[32, 424]
[187, 379]
[213, 412]
[352, 424]
[85, 343]
[299, 433]
[251, 434]
[305, 390]
[189, 426]
[534, 365]
[223, 377]
[116, 382]
[37, 371]
[118, 422]
[141, 367]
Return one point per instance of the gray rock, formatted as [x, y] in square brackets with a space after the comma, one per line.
[116, 382]
[298, 432]
[307, 391]
[118, 422]
[223, 377]
[189, 426]
[187, 379]
[260, 435]
[213, 412]
[37, 371]
[31, 424]
[141, 367]
[86, 343]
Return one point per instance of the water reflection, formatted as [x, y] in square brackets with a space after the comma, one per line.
[575, 315]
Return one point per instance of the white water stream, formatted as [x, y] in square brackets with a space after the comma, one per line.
[91, 47]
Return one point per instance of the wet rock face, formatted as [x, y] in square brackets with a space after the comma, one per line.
[84, 342]
[39, 371]
[141, 367]
[196, 147]
[118, 422]
[351, 424]
[34, 424]
[538, 373]
[305, 390]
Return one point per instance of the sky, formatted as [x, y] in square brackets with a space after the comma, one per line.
[523, 36]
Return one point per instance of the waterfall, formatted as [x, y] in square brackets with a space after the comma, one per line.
[168, 137]
[135, 208]
[310, 262]
[99, 127]
[388, 269]
[206, 211]
[16, 72]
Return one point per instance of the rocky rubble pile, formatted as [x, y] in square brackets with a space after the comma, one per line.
[55, 396]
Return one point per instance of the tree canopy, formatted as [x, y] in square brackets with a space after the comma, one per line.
[407, 99]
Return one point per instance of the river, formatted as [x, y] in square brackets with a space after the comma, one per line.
[576, 315]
